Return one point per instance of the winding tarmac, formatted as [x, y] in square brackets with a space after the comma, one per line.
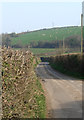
[65, 93]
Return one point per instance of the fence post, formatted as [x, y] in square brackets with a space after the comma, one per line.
[82, 35]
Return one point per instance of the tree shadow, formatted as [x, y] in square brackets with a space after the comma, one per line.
[69, 111]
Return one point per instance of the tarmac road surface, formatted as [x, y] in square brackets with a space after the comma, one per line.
[65, 93]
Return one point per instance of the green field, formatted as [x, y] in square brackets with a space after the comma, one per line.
[53, 51]
[42, 50]
[46, 35]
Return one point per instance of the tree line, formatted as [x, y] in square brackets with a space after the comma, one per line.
[71, 42]
[6, 39]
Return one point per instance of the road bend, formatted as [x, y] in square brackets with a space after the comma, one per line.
[65, 93]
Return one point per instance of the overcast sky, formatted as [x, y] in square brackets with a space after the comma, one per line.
[23, 16]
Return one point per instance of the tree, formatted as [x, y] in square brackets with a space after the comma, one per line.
[6, 40]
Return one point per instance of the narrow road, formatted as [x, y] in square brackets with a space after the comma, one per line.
[65, 93]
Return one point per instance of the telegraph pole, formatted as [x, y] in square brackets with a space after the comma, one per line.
[82, 35]
[63, 46]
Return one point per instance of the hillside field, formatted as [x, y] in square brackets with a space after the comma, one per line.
[52, 34]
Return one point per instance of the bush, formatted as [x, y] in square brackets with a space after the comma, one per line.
[70, 63]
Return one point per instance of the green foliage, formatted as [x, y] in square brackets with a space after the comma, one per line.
[6, 40]
[13, 35]
[73, 41]
[40, 100]
[69, 64]
[48, 35]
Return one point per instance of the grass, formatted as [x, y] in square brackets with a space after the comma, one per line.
[46, 52]
[46, 35]
[42, 50]
[40, 100]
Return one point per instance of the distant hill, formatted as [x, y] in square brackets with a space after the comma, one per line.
[45, 35]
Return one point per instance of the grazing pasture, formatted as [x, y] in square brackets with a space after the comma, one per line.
[52, 34]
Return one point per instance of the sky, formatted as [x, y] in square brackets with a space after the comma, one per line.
[23, 16]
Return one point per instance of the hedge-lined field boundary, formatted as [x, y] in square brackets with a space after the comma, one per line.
[70, 64]
[22, 93]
